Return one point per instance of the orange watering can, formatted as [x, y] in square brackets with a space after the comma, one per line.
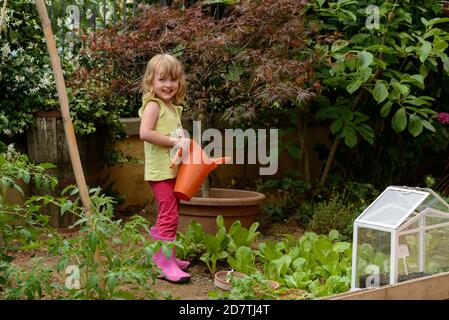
[195, 166]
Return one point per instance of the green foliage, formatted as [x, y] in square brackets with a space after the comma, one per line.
[27, 84]
[26, 78]
[391, 63]
[252, 287]
[333, 214]
[319, 264]
[289, 193]
[20, 226]
[114, 259]
[190, 244]
[244, 260]
[240, 236]
[311, 266]
[216, 246]
[17, 283]
[237, 65]
[382, 81]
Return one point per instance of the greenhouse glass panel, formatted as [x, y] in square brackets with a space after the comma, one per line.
[373, 258]
[408, 258]
[392, 207]
[437, 257]
[402, 235]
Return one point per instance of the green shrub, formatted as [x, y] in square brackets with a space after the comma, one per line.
[334, 214]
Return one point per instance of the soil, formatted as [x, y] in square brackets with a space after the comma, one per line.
[201, 282]
[384, 279]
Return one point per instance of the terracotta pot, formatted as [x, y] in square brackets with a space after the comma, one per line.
[221, 280]
[232, 204]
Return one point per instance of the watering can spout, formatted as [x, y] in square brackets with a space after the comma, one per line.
[195, 166]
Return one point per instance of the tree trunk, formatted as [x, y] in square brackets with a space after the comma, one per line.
[301, 129]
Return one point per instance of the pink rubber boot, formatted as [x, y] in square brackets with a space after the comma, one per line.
[182, 264]
[170, 270]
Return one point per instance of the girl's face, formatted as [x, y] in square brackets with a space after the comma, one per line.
[165, 88]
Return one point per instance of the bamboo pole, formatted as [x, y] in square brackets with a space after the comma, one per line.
[64, 104]
[68, 126]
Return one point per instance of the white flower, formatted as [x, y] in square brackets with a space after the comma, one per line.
[19, 78]
[10, 150]
[7, 132]
[6, 50]
[34, 90]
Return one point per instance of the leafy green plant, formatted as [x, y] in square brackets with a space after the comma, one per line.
[21, 225]
[334, 214]
[16, 283]
[190, 244]
[252, 287]
[244, 261]
[114, 259]
[377, 79]
[216, 246]
[319, 264]
[22, 228]
[240, 236]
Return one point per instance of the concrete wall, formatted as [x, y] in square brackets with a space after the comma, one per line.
[128, 178]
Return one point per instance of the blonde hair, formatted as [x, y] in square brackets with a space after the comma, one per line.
[167, 65]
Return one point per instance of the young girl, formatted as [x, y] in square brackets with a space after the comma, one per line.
[163, 88]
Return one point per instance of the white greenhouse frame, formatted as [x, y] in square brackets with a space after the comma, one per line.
[398, 229]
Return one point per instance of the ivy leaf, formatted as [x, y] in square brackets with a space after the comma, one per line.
[399, 121]
[380, 92]
[415, 125]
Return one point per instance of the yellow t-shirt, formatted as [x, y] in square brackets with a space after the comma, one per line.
[158, 158]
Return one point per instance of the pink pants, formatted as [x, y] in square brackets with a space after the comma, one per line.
[168, 206]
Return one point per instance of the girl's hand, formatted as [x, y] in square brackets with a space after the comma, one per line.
[180, 143]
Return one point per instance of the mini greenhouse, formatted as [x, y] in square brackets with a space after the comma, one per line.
[403, 234]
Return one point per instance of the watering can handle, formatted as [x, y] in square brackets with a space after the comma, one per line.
[176, 157]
